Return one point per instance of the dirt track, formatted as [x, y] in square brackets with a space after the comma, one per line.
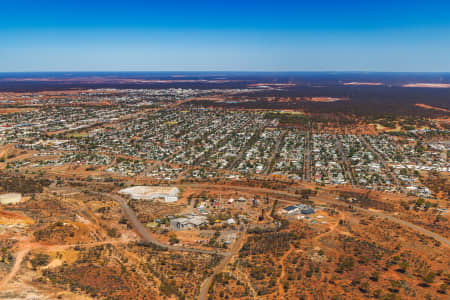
[15, 269]
[20, 255]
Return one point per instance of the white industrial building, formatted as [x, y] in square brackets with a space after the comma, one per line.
[188, 222]
[168, 194]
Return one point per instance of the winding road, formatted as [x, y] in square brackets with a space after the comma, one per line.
[147, 236]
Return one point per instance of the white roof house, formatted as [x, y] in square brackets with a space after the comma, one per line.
[231, 221]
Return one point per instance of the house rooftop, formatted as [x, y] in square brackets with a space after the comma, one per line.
[290, 208]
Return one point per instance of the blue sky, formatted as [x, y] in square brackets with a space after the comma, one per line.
[49, 35]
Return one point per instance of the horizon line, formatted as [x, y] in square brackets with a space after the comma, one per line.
[223, 71]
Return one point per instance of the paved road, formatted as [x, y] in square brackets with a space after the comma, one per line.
[410, 225]
[147, 236]
[307, 160]
[276, 149]
[222, 142]
[204, 288]
[382, 159]
[348, 168]
[244, 149]
[419, 229]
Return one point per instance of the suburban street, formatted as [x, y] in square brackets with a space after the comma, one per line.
[307, 164]
[245, 148]
[348, 168]
[275, 151]
[382, 159]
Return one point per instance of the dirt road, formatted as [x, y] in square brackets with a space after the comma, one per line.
[15, 269]
[26, 248]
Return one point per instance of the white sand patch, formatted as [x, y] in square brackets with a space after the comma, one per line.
[364, 83]
[53, 264]
[428, 85]
[10, 198]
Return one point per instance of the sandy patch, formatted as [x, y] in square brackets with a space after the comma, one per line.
[266, 85]
[53, 264]
[364, 83]
[428, 85]
[10, 198]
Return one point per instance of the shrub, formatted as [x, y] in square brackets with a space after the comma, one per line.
[429, 277]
